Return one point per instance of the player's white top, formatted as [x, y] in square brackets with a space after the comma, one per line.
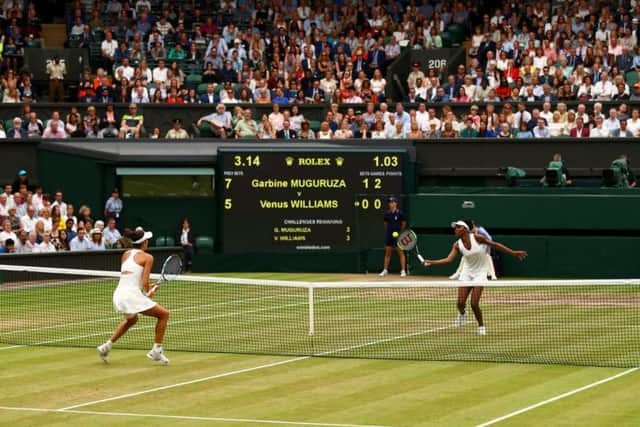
[128, 297]
[476, 266]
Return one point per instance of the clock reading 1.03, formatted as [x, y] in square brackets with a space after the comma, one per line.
[301, 200]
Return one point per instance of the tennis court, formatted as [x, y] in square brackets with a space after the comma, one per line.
[358, 334]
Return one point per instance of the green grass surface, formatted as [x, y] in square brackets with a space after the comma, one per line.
[317, 390]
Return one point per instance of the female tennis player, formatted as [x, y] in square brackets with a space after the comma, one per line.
[130, 300]
[474, 270]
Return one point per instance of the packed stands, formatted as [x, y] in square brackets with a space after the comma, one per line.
[557, 62]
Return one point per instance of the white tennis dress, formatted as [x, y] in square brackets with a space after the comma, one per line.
[476, 261]
[128, 298]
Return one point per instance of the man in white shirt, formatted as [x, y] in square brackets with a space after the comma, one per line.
[612, 123]
[28, 222]
[58, 201]
[80, 242]
[4, 207]
[599, 131]
[45, 246]
[30, 245]
[541, 131]
[220, 121]
[604, 89]
[111, 233]
[108, 46]
[422, 117]
[160, 72]
[522, 115]
[8, 191]
[546, 112]
[127, 70]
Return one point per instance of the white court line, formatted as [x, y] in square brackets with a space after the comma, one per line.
[241, 371]
[178, 322]
[558, 397]
[186, 417]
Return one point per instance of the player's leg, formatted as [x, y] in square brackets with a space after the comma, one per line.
[403, 261]
[162, 316]
[463, 294]
[475, 306]
[123, 327]
[387, 259]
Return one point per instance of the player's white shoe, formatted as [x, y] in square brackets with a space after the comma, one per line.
[103, 352]
[158, 356]
[383, 273]
[403, 273]
[482, 331]
[460, 320]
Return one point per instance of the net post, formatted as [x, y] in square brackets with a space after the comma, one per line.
[312, 320]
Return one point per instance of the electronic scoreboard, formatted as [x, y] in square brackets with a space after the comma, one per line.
[301, 200]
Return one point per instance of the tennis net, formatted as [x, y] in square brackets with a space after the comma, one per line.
[579, 322]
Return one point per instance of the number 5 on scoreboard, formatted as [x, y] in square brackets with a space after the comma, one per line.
[227, 203]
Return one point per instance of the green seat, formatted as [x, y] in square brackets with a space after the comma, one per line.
[8, 124]
[36, 43]
[194, 79]
[205, 130]
[161, 241]
[457, 34]
[446, 39]
[631, 77]
[314, 125]
[170, 241]
[202, 88]
[204, 244]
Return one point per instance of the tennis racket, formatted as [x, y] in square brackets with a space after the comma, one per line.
[171, 268]
[408, 242]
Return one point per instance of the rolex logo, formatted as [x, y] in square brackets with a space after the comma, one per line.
[289, 161]
[339, 161]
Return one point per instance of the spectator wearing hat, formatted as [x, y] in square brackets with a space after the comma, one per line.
[22, 179]
[97, 243]
[177, 132]
[414, 75]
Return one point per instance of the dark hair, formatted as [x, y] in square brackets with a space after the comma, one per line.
[134, 235]
[470, 223]
[9, 242]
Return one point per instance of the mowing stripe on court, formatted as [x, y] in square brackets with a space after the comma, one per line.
[556, 398]
[185, 417]
[178, 322]
[255, 368]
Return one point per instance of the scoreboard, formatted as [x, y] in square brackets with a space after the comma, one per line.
[302, 200]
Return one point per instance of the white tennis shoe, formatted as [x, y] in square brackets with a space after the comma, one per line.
[482, 331]
[103, 352]
[158, 356]
[460, 320]
[383, 273]
[403, 273]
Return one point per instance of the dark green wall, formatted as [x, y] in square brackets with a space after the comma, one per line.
[547, 210]
[164, 215]
[88, 181]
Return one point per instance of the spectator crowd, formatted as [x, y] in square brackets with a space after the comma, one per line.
[33, 221]
[292, 53]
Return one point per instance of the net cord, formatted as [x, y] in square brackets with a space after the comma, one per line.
[338, 284]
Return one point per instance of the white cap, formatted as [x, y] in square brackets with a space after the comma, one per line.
[146, 236]
[459, 223]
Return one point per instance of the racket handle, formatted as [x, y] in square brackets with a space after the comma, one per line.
[420, 258]
[153, 289]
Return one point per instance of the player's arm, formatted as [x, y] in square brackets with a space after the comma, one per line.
[502, 248]
[146, 272]
[448, 260]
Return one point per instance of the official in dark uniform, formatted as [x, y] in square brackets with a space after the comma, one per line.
[394, 224]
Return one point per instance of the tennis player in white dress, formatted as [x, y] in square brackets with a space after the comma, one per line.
[133, 296]
[475, 268]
